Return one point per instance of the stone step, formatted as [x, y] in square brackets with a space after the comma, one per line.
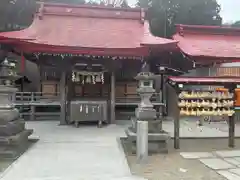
[17, 139]
[8, 154]
[13, 152]
[12, 128]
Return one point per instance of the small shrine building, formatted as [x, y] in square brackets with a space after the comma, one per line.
[103, 42]
[208, 44]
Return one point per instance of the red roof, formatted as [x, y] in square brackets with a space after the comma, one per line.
[208, 41]
[204, 80]
[89, 30]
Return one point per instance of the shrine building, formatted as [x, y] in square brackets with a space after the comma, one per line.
[89, 53]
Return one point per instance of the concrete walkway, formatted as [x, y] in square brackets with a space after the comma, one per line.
[69, 153]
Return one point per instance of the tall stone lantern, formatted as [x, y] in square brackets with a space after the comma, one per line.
[13, 135]
[157, 138]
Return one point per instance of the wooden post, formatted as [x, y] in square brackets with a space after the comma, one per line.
[32, 115]
[32, 96]
[176, 121]
[158, 91]
[162, 94]
[113, 98]
[231, 120]
[231, 131]
[69, 96]
[63, 98]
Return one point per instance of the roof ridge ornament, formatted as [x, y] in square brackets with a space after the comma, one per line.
[181, 31]
[41, 11]
[69, 10]
[142, 15]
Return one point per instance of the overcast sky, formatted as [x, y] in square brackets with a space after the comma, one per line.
[230, 9]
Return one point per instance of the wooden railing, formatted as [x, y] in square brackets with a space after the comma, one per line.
[35, 96]
[38, 105]
[46, 97]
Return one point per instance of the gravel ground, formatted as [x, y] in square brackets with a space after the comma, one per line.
[172, 166]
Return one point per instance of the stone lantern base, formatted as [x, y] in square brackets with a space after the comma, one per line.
[13, 135]
[157, 138]
[145, 113]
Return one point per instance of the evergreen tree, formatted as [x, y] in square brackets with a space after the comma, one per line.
[164, 14]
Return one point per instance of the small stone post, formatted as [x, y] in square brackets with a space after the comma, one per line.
[142, 141]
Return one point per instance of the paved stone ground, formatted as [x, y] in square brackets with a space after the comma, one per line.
[173, 166]
[189, 128]
[225, 163]
[65, 152]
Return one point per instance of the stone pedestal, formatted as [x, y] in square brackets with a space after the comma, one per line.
[13, 135]
[157, 138]
[157, 142]
[145, 113]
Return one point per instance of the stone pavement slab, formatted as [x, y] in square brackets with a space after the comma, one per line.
[232, 161]
[237, 158]
[130, 178]
[216, 163]
[228, 175]
[65, 152]
[191, 129]
[196, 155]
[230, 153]
[235, 171]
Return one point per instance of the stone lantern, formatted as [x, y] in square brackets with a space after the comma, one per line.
[157, 138]
[145, 110]
[13, 135]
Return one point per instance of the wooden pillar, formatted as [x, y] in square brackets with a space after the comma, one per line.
[163, 95]
[63, 98]
[231, 131]
[69, 93]
[176, 121]
[232, 121]
[158, 91]
[33, 110]
[113, 98]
